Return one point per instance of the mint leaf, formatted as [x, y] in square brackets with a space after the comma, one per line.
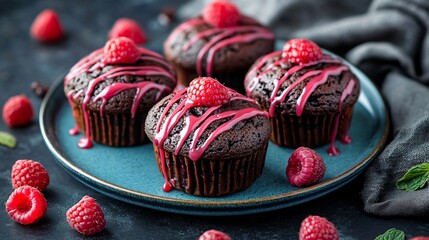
[7, 140]
[415, 178]
[392, 234]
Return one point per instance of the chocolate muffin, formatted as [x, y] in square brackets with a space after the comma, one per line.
[208, 139]
[309, 95]
[112, 89]
[223, 47]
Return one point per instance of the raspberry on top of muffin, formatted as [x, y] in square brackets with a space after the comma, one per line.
[111, 90]
[220, 43]
[308, 94]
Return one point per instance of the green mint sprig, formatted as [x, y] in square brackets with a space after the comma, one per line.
[415, 178]
[392, 234]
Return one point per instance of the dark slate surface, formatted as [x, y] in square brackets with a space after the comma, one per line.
[23, 60]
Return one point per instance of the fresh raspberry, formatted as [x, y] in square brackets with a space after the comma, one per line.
[301, 51]
[86, 216]
[26, 205]
[30, 173]
[47, 27]
[214, 235]
[126, 27]
[121, 50]
[420, 238]
[317, 228]
[206, 91]
[17, 111]
[305, 167]
[221, 14]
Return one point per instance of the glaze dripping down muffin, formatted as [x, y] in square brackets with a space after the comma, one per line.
[309, 95]
[112, 89]
[209, 140]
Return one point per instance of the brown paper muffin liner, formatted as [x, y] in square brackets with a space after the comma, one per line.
[212, 177]
[116, 130]
[234, 80]
[309, 131]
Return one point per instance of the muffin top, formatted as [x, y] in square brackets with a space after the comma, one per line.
[289, 82]
[218, 41]
[232, 125]
[118, 78]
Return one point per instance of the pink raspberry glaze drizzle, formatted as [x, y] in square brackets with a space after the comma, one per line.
[332, 150]
[321, 78]
[222, 37]
[198, 124]
[94, 62]
[318, 77]
[70, 96]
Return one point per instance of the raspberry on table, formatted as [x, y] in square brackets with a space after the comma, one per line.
[121, 50]
[420, 238]
[221, 14]
[126, 27]
[301, 51]
[317, 228]
[206, 91]
[30, 173]
[305, 167]
[47, 27]
[214, 235]
[26, 205]
[86, 216]
[17, 111]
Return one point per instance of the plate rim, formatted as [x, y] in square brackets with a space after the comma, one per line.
[328, 185]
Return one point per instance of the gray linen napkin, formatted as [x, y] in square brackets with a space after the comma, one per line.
[389, 41]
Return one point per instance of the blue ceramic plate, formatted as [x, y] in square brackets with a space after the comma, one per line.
[131, 174]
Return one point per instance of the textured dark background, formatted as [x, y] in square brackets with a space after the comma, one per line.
[23, 60]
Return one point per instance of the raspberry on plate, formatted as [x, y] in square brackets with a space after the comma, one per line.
[221, 14]
[86, 216]
[317, 228]
[301, 51]
[18, 111]
[214, 235]
[126, 27]
[206, 91]
[47, 27]
[26, 205]
[305, 167]
[121, 50]
[30, 173]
